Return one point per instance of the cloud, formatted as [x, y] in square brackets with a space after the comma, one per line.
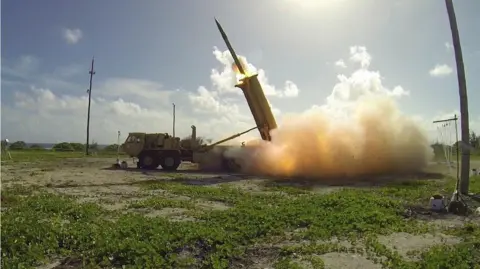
[448, 46]
[340, 63]
[23, 67]
[145, 92]
[72, 36]
[291, 89]
[129, 104]
[223, 80]
[63, 117]
[440, 70]
[69, 71]
[359, 54]
[360, 83]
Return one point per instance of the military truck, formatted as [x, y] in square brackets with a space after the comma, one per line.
[161, 149]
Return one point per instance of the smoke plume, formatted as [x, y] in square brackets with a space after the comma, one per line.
[359, 130]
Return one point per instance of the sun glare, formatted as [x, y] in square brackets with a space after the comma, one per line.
[314, 3]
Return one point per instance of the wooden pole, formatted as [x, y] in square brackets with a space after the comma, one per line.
[173, 134]
[91, 72]
[462, 90]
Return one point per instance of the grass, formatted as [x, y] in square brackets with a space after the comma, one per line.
[50, 155]
[39, 227]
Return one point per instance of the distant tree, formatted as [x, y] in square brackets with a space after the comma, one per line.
[474, 140]
[93, 146]
[77, 146]
[36, 147]
[18, 145]
[112, 148]
[64, 146]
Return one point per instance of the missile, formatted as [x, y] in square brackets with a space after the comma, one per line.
[229, 46]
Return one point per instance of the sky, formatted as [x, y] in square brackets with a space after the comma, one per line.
[153, 54]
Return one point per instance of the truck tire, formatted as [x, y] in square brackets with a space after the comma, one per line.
[170, 162]
[147, 161]
[230, 165]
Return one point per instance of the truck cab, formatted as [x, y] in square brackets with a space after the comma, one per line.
[134, 144]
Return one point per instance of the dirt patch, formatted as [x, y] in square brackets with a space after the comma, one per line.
[173, 214]
[337, 260]
[167, 194]
[406, 244]
[257, 258]
[65, 172]
[448, 221]
[251, 185]
[101, 190]
[212, 205]
[110, 202]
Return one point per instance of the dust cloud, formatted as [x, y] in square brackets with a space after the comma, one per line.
[360, 130]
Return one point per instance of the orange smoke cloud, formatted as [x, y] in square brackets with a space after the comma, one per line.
[375, 139]
[359, 131]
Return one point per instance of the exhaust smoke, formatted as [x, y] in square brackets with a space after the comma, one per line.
[359, 131]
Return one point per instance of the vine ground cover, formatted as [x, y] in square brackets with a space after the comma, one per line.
[73, 214]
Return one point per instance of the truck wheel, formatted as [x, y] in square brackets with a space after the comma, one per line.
[147, 161]
[230, 165]
[170, 162]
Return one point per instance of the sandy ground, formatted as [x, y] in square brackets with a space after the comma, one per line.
[92, 180]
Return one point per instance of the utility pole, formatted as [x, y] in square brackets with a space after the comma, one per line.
[173, 119]
[91, 72]
[462, 90]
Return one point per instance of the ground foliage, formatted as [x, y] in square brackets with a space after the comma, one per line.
[38, 227]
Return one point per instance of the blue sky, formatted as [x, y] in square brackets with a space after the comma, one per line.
[149, 54]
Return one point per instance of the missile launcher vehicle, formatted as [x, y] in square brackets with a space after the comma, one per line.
[161, 149]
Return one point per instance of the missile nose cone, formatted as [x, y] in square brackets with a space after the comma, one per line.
[219, 26]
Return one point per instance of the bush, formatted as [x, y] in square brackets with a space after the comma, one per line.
[36, 147]
[77, 146]
[18, 145]
[64, 146]
[112, 148]
[93, 146]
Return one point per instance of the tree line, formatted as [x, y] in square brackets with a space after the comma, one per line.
[63, 146]
[67, 146]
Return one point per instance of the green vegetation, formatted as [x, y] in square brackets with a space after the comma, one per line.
[39, 226]
[21, 153]
[59, 147]
[48, 155]
[289, 224]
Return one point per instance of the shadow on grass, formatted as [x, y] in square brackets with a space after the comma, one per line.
[205, 178]
[359, 181]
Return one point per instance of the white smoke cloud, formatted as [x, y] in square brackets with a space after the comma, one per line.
[224, 80]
